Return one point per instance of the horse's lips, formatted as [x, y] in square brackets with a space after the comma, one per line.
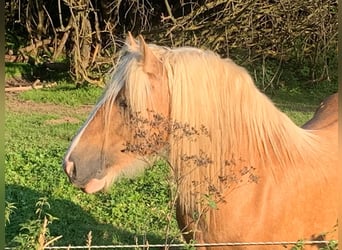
[94, 185]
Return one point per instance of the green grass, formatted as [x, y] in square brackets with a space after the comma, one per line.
[33, 169]
[132, 209]
[64, 93]
[16, 70]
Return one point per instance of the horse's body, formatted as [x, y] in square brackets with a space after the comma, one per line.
[244, 171]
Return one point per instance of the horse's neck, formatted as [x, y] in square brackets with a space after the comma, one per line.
[265, 135]
[252, 142]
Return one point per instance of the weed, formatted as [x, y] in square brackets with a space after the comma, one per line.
[299, 245]
[9, 209]
[332, 245]
[35, 234]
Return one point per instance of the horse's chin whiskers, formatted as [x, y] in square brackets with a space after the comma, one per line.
[108, 183]
[69, 167]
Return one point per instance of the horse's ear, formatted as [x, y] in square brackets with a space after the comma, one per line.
[151, 64]
[130, 41]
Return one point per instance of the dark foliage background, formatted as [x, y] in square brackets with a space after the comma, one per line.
[84, 36]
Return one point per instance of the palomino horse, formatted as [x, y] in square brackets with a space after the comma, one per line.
[244, 171]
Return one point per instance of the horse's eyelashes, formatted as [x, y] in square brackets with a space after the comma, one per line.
[123, 103]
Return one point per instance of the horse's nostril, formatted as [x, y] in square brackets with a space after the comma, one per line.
[69, 168]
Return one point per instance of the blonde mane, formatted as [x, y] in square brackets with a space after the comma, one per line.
[244, 129]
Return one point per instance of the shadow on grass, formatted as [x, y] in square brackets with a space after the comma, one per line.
[29, 72]
[73, 230]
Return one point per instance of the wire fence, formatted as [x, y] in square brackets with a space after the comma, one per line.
[166, 246]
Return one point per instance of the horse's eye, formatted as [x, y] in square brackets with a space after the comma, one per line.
[123, 103]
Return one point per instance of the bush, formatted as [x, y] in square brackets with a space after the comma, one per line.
[253, 29]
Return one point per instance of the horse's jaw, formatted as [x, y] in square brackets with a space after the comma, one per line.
[94, 185]
[131, 170]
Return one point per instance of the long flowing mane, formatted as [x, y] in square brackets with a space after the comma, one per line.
[243, 125]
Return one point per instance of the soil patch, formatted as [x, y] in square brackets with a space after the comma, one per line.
[16, 82]
[66, 113]
[62, 120]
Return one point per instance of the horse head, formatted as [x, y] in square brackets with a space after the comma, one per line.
[137, 95]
